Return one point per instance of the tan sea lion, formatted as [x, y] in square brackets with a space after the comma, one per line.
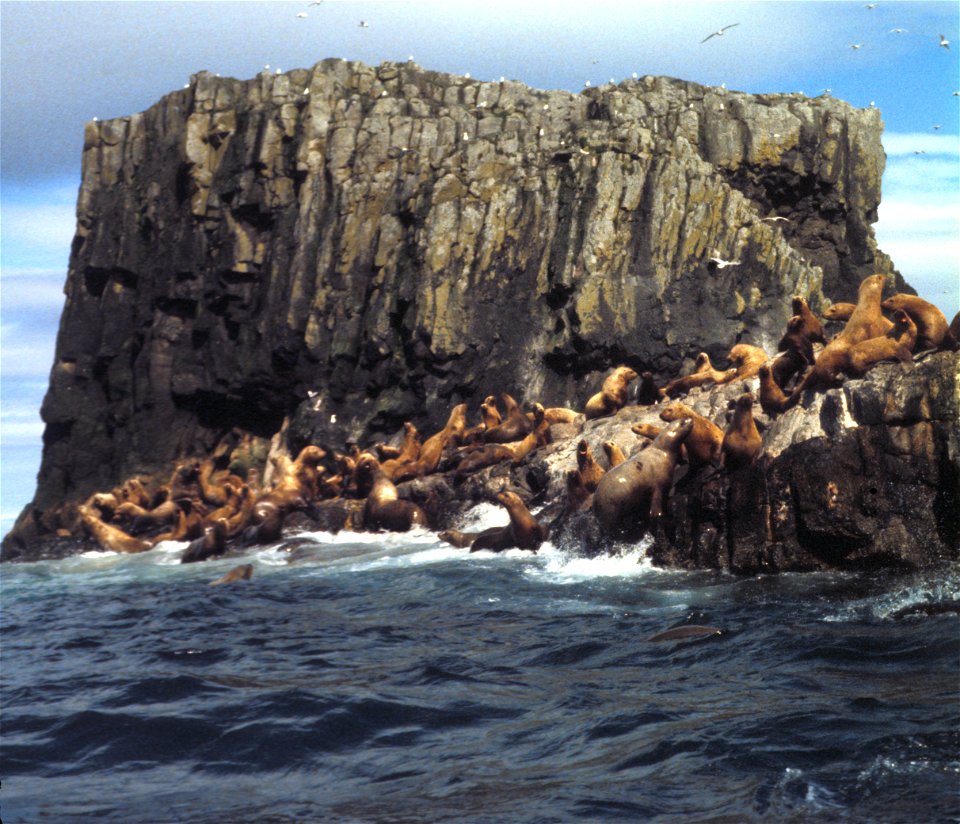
[110, 537]
[613, 395]
[646, 430]
[433, 447]
[559, 414]
[931, 323]
[839, 311]
[406, 456]
[747, 359]
[213, 542]
[773, 401]
[244, 572]
[897, 344]
[383, 508]
[514, 427]
[632, 495]
[704, 441]
[741, 441]
[523, 531]
[703, 373]
[590, 471]
[614, 453]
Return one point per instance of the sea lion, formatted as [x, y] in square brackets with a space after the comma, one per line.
[559, 414]
[578, 496]
[614, 453]
[487, 455]
[523, 531]
[213, 542]
[433, 447]
[266, 523]
[646, 430]
[688, 631]
[704, 442]
[244, 572]
[897, 344]
[110, 537]
[142, 520]
[954, 330]
[703, 373]
[839, 311]
[795, 340]
[866, 321]
[741, 441]
[383, 508]
[811, 327]
[461, 540]
[590, 471]
[514, 427]
[931, 323]
[407, 455]
[612, 397]
[747, 359]
[648, 393]
[632, 495]
[773, 401]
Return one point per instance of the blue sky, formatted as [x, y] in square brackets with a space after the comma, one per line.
[62, 64]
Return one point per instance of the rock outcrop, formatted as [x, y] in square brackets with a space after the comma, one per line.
[349, 247]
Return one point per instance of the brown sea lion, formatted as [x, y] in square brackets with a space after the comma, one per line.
[612, 397]
[866, 321]
[646, 430]
[795, 340]
[244, 572]
[578, 496]
[897, 344]
[433, 447]
[954, 330]
[931, 323]
[614, 453]
[648, 392]
[559, 414]
[213, 542]
[141, 519]
[383, 508]
[632, 495]
[590, 471]
[266, 523]
[703, 373]
[110, 537]
[461, 540]
[747, 359]
[523, 531]
[515, 424]
[705, 440]
[406, 456]
[773, 401]
[811, 327]
[741, 441]
[488, 455]
[839, 311]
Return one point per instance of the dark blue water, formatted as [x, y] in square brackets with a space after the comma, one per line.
[399, 680]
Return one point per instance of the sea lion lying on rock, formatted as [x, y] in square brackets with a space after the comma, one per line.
[384, 509]
[613, 395]
[523, 531]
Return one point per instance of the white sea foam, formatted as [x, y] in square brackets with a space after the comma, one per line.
[562, 567]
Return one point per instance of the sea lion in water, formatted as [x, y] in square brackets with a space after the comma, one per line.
[213, 542]
[523, 531]
[931, 323]
[741, 441]
[612, 397]
[897, 344]
[110, 537]
[747, 359]
[244, 572]
[632, 495]
[704, 442]
[688, 631]
[383, 508]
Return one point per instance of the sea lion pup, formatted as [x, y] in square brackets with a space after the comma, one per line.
[866, 321]
[433, 447]
[812, 329]
[702, 374]
[213, 542]
[897, 344]
[741, 441]
[523, 532]
[614, 453]
[705, 439]
[612, 397]
[931, 323]
[647, 391]
[514, 426]
[384, 509]
[632, 495]
[108, 536]
[747, 359]
[406, 455]
[773, 401]
[590, 471]
[244, 572]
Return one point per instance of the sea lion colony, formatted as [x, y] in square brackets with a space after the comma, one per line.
[214, 508]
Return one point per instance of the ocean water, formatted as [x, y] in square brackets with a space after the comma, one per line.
[393, 678]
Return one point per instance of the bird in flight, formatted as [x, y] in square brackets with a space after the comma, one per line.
[363, 24]
[897, 31]
[720, 263]
[944, 42]
[856, 46]
[719, 33]
[775, 219]
[869, 5]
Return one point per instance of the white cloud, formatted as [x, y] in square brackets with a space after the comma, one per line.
[26, 289]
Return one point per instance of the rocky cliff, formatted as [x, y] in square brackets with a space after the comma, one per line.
[349, 247]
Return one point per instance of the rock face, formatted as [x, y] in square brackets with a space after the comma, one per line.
[350, 247]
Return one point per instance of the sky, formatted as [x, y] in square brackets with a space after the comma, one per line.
[62, 64]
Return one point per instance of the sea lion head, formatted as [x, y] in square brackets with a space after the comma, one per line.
[625, 373]
[672, 436]
[703, 360]
[745, 401]
[675, 411]
[311, 455]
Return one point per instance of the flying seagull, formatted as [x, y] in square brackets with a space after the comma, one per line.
[897, 31]
[776, 218]
[937, 126]
[720, 263]
[869, 5]
[944, 42]
[302, 15]
[856, 46]
[363, 24]
[719, 33]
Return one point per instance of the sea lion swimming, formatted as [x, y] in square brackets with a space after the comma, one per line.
[244, 572]
[632, 495]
